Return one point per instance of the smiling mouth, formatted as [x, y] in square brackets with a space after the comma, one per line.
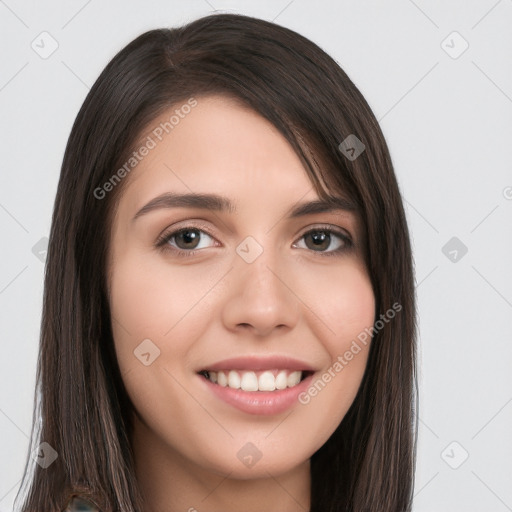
[267, 380]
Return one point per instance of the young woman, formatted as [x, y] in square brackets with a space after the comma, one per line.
[229, 311]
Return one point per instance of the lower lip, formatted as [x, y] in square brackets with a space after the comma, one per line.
[264, 403]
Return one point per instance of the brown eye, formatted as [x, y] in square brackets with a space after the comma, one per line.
[187, 238]
[320, 240]
[184, 241]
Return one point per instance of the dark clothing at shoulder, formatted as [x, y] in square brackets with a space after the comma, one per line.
[78, 504]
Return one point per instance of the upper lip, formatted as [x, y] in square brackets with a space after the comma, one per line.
[257, 363]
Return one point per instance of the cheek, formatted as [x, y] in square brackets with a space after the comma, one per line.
[150, 299]
[157, 314]
[341, 298]
[344, 302]
[351, 313]
[353, 308]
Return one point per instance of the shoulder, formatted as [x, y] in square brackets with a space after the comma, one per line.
[78, 504]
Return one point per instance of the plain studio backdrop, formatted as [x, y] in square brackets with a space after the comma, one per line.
[438, 78]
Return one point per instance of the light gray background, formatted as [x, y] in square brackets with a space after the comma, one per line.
[448, 124]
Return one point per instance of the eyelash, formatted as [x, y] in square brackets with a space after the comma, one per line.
[162, 242]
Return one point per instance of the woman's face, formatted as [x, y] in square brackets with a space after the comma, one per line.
[252, 296]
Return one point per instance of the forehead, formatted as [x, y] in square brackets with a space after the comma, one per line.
[225, 131]
[219, 147]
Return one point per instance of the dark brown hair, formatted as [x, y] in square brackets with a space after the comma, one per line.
[82, 409]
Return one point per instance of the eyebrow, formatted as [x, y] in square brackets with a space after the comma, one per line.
[218, 203]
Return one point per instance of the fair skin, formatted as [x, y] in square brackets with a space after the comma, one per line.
[292, 300]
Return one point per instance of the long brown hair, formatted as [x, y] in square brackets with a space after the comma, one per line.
[81, 408]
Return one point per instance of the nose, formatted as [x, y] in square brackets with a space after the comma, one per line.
[261, 298]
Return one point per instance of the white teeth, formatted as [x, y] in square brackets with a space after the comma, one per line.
[234, 380]
[249, 381]
[294, 378]
[222, 380]
[281, 380]
[266, 382]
